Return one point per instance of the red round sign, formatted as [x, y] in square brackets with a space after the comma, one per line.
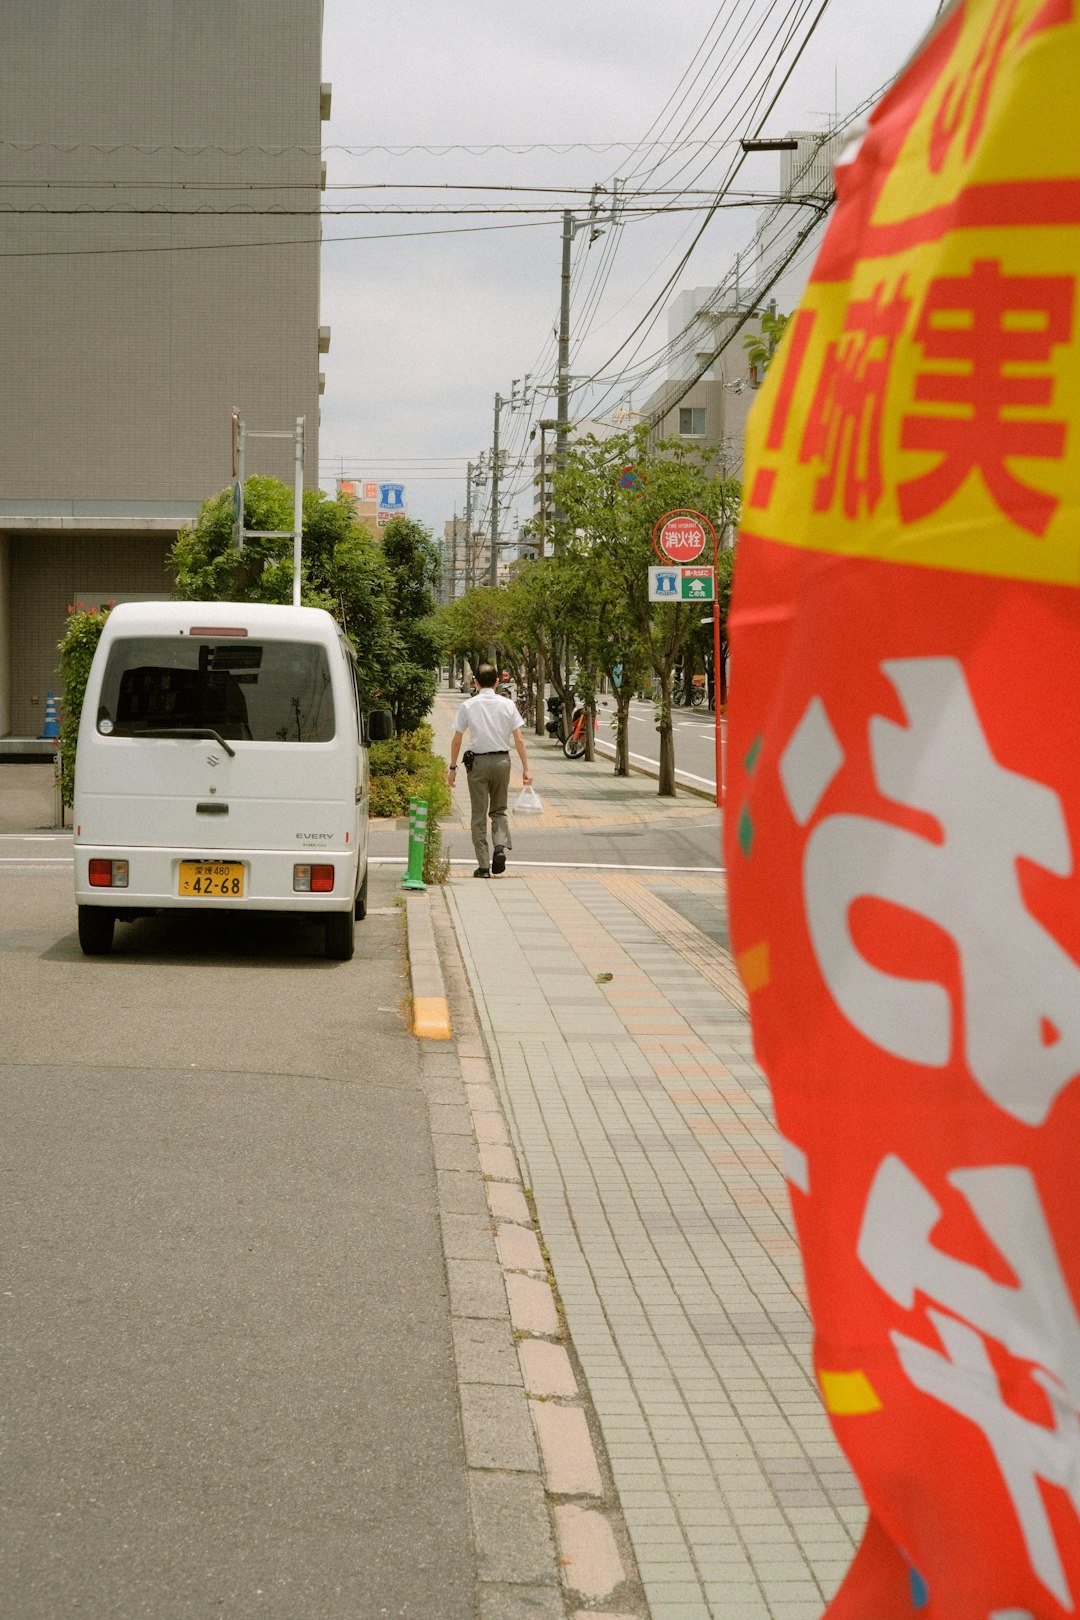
[681, 537]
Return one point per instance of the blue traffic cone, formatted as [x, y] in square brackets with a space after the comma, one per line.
[52, 727]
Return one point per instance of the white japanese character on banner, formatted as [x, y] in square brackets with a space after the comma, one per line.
[1036, 1321]
[1021, 990]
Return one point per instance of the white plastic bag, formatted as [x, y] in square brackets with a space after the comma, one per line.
[529, 800]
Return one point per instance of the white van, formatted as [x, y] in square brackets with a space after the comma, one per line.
[222, 765]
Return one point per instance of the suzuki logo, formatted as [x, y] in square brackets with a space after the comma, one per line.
[212, 759]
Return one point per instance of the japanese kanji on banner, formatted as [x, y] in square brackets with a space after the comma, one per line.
[903, 818]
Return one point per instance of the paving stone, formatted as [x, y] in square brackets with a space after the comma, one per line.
[546, 1368]
[508, 1203]
[499, 1602]
[468, 1237]
[532, 1304]
[512, 1529]
[570, 1466]
[455, 1152]
[485, 1352]
[461, 1192]
[588, 1555]
[476, 1288]
[498, 1434]
[498, 1162]
[518, 1248]
[490, 1128]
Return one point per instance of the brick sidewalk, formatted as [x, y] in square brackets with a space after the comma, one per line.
[617, 1029]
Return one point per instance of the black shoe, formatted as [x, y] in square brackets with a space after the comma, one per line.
[482, 871]
[498, 865]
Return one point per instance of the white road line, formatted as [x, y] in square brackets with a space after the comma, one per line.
[37, 838]
[37, 860]
[592, 866]
[644, 759]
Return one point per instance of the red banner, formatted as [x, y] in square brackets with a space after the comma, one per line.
[903, 820]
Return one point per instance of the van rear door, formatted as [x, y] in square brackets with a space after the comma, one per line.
[221, 743]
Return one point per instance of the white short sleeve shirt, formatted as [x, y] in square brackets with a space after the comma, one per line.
[490, 720]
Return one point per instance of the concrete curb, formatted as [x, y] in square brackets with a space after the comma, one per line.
[431, 1009]
[550, 1537]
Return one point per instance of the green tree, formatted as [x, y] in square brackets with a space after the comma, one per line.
[761, 346]
[413, 563]
[342, 569]
[617, 523]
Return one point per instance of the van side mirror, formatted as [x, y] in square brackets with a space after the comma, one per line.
[380, 725]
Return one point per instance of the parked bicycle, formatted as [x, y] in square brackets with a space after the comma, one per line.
[697, 695]
[574, 745]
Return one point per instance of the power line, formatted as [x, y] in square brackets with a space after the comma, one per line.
[441, 211]
[294, 241]
[153, 148]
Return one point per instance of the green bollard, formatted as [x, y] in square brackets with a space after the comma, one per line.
[414, 876]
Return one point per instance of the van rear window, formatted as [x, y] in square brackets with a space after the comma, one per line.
[273, 691]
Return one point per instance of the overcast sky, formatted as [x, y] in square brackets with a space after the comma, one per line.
[427, 329]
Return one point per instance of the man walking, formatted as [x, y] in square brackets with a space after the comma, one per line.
[493, 722]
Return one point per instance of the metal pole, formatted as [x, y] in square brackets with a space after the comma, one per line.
[716, 671]
[493, 566]
[468, 526]
[564, 347]
[298, 507]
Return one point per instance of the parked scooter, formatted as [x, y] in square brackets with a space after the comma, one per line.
[554, 726]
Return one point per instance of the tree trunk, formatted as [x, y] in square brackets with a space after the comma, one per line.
[623, 695]
[590, 733]
[723, 676]
[666, 788]
[540, 717]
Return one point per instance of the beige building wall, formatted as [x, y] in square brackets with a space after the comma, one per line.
[131, 326]
[160, 178]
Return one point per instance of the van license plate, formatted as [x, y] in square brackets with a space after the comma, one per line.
[212, 879]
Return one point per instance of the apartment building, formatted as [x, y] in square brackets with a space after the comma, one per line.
[160, 179]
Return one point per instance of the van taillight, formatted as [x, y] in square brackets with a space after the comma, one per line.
[108, 874]
[313, 879]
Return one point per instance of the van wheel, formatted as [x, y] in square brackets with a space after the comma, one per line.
[340, 935]
[95, 930]
[361, 899]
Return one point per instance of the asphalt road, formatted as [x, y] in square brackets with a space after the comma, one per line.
[695, 742]
[226, 1362]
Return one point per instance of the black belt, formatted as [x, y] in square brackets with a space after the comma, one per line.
[491, 753]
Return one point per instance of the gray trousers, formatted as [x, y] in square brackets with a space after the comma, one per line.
[489, 780]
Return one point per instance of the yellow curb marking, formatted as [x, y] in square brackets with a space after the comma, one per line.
[431, 1018]
[848, 1394]
[753, 965]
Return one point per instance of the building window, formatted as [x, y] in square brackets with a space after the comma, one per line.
[692, 421]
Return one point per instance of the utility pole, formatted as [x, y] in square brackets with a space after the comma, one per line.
[541, 670]
[564, 347]
[493, 568]
[468, 528]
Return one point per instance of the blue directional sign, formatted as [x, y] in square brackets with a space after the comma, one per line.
[674, 584]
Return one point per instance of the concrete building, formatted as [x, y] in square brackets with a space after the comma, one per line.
[160, 175]
[713, 412]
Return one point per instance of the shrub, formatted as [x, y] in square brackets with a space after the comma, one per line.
[404, 768]
[81, 636]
